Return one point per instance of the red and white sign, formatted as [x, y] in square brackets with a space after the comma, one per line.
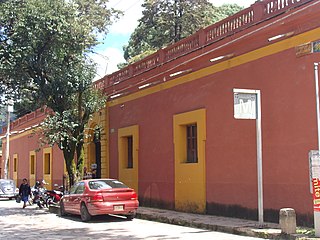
[316, 194]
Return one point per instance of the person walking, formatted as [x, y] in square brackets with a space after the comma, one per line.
[24, 191]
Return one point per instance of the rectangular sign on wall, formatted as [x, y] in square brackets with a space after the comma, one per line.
[245, 105]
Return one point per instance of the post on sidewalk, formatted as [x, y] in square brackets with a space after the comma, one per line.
[314, 165]
[314, 162]
[247, 105]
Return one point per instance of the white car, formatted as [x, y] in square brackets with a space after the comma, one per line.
[8, 189]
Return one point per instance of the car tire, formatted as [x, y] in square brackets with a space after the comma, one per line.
[85, 215]
[62, 211]
[130, 217]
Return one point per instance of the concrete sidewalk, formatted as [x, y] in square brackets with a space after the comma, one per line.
[214, 223]
[217, 223]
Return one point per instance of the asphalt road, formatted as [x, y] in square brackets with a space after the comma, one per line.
[33, 223]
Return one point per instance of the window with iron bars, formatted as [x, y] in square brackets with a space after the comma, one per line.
[192, 146]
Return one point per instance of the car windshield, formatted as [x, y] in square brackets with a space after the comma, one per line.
[5, 182]
[106, 184]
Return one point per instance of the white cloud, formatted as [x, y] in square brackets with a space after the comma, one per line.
[129, 21]
[107, 61]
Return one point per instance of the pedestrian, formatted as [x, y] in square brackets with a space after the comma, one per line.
[24, 192]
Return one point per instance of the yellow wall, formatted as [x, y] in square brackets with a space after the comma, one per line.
[47, 176]
[32, 176]
[99, 118]
[128, 175]
[190, 178]
[15, 167]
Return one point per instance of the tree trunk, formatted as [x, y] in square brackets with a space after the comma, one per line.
[80, 160]
[70, 165]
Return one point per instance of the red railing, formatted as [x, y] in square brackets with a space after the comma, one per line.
[147, 63]
[278, 6]
[229, 25]
[182, 47]
[257, 12]
[26, 118]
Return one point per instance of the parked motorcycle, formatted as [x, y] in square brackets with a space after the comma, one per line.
[38, 195]
[53, 196]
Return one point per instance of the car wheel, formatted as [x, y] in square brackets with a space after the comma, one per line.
[130, 217]
[85, 215]
[10, 198]
[62, 211]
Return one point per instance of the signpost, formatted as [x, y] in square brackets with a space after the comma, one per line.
[6, 161]
[314, 161]
[314, 165]
[247, 105]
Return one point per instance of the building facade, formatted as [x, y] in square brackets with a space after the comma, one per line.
[171, 131]
[26, 158]
[168, 129]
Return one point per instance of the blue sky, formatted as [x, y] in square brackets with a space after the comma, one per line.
[110, 52]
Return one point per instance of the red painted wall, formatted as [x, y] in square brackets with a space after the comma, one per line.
[22, 143]
[22, 146]
[288, 123]
[288, 133]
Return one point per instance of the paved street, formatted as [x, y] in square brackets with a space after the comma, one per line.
[33, 223]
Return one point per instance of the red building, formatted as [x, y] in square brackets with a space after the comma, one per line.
[168, 129]
[171, 127]
[27, 159]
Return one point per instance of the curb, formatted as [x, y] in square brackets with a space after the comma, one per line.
[212, 227]
[250, 231]
[244, 231]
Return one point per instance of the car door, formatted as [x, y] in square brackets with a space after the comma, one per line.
[77, 197]
[69, 199]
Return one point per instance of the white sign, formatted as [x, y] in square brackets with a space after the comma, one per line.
[245, 105]
[314, 166]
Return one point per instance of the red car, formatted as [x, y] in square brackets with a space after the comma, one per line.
[100, 196]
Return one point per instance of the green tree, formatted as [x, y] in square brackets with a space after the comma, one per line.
[167, 21]
[44, 49]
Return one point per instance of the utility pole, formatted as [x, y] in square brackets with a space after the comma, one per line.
[6, 161]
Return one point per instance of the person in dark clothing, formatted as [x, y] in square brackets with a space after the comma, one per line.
[24, 191]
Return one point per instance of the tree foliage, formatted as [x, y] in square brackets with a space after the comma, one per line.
[167, 21]
[44, 48]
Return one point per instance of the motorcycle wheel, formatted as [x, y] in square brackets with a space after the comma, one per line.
[41, 203]
[49, 201]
